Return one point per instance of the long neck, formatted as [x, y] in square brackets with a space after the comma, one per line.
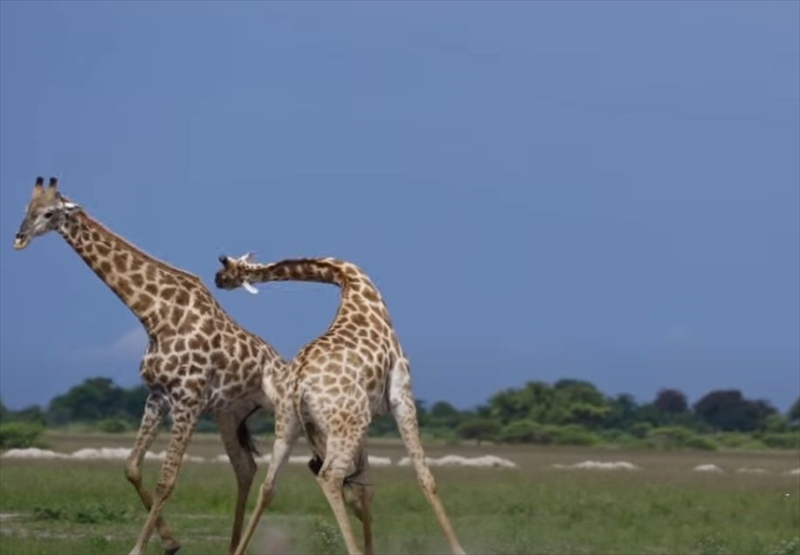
[319, 270]
[358, 291]
[151, 289]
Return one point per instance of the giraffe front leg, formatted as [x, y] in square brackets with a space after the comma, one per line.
[183, 423]
[155, 409]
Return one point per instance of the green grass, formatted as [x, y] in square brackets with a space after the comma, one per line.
[89, 508]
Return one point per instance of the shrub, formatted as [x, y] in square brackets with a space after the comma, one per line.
[677, 437]
[480, 429]
[522, 431]
[21, 435]
[789, 440]
[113, 426]
[733, 440]
[572, 435]
[641, 429]
[527, 431]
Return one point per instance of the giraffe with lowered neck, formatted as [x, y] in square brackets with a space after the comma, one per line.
[198, 358]
[338, 382]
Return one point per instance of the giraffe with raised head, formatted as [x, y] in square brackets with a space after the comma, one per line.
[198, 358]
[338, 382]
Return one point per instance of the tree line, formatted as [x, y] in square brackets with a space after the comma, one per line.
[566, 412]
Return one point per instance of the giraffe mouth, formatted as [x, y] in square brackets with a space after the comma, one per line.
[20, 242]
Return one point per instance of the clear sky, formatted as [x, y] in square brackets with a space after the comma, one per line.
[598, 190]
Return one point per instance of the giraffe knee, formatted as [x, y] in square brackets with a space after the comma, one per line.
[133, 472]
[248, 471]
[350, 496]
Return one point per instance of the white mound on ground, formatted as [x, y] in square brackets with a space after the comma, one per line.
[33, 453]
[303, 459]
[793, 472]
[122, 453]
[486, 461]
[599, 465]
[89, 453]
[752, 470]
[707, 468]
[103, 453]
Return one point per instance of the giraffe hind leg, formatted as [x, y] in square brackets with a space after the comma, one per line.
[405, 414]
[155, 409]
[286, 435]
[358, 494]
[341, 451]
[240, 454]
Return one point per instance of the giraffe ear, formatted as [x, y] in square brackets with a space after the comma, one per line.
[70, 207]
[246, 257]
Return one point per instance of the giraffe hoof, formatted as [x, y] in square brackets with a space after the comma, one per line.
[171, 550]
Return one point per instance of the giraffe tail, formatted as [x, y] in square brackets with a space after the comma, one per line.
[245, 436]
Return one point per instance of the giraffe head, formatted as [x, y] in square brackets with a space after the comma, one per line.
[233, 273]
[47, 210]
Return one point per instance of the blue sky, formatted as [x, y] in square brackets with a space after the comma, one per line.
[607, 191]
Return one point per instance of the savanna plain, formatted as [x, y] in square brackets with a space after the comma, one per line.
[664, 506]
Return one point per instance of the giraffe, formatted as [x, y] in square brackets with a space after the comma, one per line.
[198, 358]
[339, 381]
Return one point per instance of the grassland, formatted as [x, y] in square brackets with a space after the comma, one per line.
[87, 508]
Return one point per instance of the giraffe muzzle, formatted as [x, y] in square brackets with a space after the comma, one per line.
[20, 241]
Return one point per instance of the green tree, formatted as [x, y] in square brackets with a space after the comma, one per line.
[92, 400]
[794, 412]
[422, 412]
[671, 402]
[623, 412]
[480, 429]
[32, 414]
[4, 412]
[728, 410]
[443, 414]
[507, 406]
[579, 402]
[589, 416]
[579, 391]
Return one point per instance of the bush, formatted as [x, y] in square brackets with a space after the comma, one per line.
[677, 437]
[573, 435]
[527, 431]
[789, 440]
[113, 426]
[733, 440]
[523, 431]
[641, 429]
[480, 429]
[21, 435]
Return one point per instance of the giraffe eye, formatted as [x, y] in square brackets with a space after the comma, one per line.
[48, 215]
